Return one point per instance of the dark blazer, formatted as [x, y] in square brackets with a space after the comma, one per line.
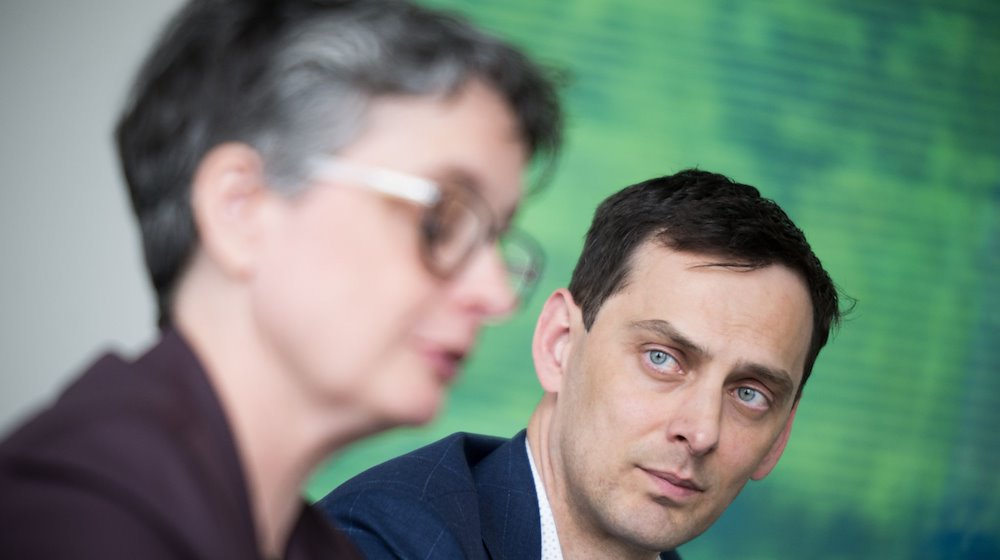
[136, 460]
[465, 496]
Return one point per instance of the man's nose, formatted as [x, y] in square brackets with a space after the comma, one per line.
[697, 417]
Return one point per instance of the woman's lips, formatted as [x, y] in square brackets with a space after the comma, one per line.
[445, 363]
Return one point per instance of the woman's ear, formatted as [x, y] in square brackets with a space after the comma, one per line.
[552, 343]
[228, 199]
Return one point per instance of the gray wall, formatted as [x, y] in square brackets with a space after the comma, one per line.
[71, 276]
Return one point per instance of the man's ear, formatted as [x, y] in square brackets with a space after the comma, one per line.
[228, 199]
[552, 342]
[777, 448]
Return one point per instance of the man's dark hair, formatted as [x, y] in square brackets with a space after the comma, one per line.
[705, 213]
[294, 79]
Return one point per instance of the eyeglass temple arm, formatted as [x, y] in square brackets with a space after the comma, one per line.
[400, 185]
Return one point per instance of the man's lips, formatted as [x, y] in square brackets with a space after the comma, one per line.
[673, 486]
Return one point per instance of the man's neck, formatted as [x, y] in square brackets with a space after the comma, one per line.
[578, 539]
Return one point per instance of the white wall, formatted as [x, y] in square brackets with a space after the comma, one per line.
[71, 277]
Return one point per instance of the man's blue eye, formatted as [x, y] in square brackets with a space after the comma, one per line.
[658, 357]
[747, 394]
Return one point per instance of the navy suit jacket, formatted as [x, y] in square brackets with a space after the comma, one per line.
[465, 496]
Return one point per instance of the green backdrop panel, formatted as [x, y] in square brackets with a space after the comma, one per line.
[877, 127]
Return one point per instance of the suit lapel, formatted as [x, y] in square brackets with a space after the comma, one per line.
[508, 504]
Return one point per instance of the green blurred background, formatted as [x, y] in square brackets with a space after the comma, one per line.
[876, 125]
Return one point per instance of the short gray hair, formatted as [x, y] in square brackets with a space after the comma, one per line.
[292, 79]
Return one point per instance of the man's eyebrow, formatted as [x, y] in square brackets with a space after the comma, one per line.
[778, 379]
[666, 330]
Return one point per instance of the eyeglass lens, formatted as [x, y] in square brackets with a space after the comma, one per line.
[453, 230]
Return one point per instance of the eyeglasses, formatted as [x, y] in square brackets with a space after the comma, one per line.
[456, 221]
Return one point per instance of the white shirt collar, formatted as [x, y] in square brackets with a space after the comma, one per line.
[550, 538]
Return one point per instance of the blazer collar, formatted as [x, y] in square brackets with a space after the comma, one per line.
[508, 504]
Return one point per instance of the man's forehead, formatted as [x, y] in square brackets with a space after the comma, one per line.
[697, 297]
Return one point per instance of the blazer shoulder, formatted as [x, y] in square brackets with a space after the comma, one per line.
[440, 468]
[423, 501]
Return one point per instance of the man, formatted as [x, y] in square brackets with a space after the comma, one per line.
[320, 187]
[672, 368]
